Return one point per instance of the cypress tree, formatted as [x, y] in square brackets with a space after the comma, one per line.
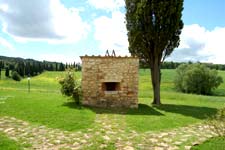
[61, 67]
[154, 27]
[56, 66]
[7, 71]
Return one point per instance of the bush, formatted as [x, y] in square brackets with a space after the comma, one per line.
[196, 78]
[71, 87]
[16, 76]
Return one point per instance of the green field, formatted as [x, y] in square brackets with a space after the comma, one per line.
[8, 144]
[178, 109]
[45, 102]
[217, 143]
[45, 105]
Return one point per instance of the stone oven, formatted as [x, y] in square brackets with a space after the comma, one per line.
[109, 81]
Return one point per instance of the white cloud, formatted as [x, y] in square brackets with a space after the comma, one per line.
[215, 45]
[6, 44]
[47, 20]
[59, 58]
[108, 5]
[197, 43]
[111, 33]
[193, 33]
[4, 7]
[200, 44]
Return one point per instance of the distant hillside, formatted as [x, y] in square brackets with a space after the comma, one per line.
[16, 59]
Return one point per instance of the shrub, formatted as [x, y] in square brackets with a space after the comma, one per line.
[71, 87]
[16, 76]
[196, 78]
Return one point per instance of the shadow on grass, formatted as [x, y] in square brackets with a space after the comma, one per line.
[219, 92]
[72, 105]
[191, 111]
[214, 93]
[143, 109]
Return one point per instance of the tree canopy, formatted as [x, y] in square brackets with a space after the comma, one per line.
[154, 27]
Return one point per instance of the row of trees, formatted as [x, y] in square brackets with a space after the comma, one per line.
[174, 65]
[30, 67]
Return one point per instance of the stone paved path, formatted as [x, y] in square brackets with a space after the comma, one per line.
[108, 131]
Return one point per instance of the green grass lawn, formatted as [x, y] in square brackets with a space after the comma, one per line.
[217, 143]
[46, 106]
[8, 144]
[178, 109]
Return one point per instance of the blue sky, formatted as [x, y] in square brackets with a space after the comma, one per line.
[207, 13]
[63, 30]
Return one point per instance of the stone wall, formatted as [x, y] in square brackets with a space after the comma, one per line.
[110, 81]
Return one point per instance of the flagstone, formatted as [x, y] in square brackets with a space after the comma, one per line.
[42, 137]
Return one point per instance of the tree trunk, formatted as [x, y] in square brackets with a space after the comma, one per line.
[155, 75]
